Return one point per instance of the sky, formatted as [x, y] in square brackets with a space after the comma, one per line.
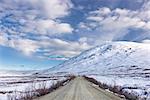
[39, 34]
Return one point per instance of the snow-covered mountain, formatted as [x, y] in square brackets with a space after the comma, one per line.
[109, 58]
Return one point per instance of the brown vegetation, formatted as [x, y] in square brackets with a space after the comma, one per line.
[32, 92]
[114, 89]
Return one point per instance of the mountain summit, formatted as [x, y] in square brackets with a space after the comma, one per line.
[112, 57]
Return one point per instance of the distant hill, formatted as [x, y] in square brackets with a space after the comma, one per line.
[109, 58]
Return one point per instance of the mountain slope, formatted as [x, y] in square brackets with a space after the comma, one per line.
[122, 64]
[109, 58]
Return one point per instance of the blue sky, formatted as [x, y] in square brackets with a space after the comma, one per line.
[37, 34]
[12, 59]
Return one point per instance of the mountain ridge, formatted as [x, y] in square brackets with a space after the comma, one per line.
[108, 56]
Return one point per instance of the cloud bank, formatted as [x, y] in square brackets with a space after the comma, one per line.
[38, 27]
[116, 24]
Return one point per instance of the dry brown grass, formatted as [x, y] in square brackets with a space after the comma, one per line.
[31, 92]
[114, 89]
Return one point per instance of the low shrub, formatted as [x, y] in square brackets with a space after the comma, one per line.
[114, 89]
[32, 92]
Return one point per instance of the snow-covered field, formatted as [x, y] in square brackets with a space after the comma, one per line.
[12, 83]
[135, 85]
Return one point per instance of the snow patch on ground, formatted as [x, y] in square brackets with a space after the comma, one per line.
[19, 82]
[138, 86]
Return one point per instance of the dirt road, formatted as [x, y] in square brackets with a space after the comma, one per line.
[79, 89]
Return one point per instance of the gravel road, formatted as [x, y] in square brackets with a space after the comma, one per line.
[79, 89]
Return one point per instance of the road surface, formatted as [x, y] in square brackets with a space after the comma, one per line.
[79, 89]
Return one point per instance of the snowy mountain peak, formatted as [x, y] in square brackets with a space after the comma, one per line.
[109, 58]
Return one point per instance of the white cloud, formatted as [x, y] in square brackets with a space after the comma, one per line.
[35, 16]
[122, 12]
[65, 48]
[146, 41]
[3, 39]
[55, 8]
[83, 39]
[51, 27]
[101, 11]
[83, 25]
[67, 53]
[64, 28]
[28, 47]
[95, 18]
[42, 8]
[116, 23]
[19, 20]
[48, 46]
[42, 18]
